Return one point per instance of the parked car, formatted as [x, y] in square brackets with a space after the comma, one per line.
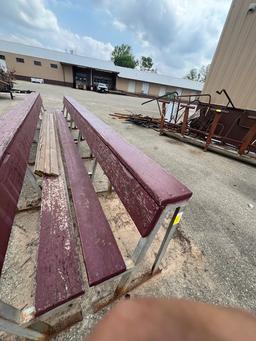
[101, 87]
[37, 80]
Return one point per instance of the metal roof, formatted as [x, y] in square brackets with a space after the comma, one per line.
[63, 57]
[73, 59]
[152, 77]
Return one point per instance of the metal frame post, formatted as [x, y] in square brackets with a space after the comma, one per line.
[32, 178]
[185, 121]
[79, 138]
[214, 125]
[10, 322]
[94, 169]
[142, 248]
[64, 110]
[167, 238]
[248, 139]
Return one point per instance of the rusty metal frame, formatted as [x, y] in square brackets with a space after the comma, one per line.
[226, 126]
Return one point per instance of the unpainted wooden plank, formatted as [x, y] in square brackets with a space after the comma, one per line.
[58, 277]
[46, 157]
[102, 256]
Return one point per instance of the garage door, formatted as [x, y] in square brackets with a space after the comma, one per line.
[131, 86]
[145, 88]
[162, 91]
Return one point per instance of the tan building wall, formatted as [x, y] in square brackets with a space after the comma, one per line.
[138, 87]
[63, 74]
[68, 73]
[234, 64]
[154, 89]
[28, 69]
[189, 92]
[172, 89]
[122, 84]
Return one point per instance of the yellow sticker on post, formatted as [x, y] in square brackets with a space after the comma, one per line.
[178, 218]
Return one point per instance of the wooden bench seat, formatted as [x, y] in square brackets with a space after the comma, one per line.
[58, 277]
[142, 185]
[102, 257]
[150, 195]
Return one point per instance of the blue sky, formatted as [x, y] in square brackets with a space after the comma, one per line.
[177, 34]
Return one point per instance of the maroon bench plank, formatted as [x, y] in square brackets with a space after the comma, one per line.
[58, 278]
[140, 205]
[17, 129]
[102, 257]
[163, 187]
[132, 190]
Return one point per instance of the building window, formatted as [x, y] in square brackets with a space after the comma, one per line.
[54, 66]
[36, 62]
[19, 60]
[2, 57]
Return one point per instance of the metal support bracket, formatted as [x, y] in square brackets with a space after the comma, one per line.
[92, 174]
[142, 248]
[10, 319]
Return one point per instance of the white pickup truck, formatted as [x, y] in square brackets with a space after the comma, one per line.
[101, 87]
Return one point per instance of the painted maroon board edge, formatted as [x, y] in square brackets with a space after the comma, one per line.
[103, 260]
[17, 129]
[163, 187]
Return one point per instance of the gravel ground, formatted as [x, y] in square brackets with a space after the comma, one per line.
[214, 256]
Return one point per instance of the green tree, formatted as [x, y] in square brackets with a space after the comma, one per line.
[122, 56]
[204, 71]
[198, 75]
[146, 63]
[193, 75]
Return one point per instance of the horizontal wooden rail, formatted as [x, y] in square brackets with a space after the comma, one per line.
[17, 129]
[143, 186]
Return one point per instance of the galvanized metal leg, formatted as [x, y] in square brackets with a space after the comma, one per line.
[10, 319]
[168, 236]
[68, 117]
[79, 138]
[140, 252]
[15, 329]
[110, 189]
[64, 111]
[94, 169]
[32, 179]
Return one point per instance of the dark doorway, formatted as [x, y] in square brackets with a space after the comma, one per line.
[87, 78]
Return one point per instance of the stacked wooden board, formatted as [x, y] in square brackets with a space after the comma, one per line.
[46, 157]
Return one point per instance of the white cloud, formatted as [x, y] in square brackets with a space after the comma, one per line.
[179, 34]
[119, 25]
[36, 25]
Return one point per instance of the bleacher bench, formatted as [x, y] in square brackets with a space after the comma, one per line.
[149, 194]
